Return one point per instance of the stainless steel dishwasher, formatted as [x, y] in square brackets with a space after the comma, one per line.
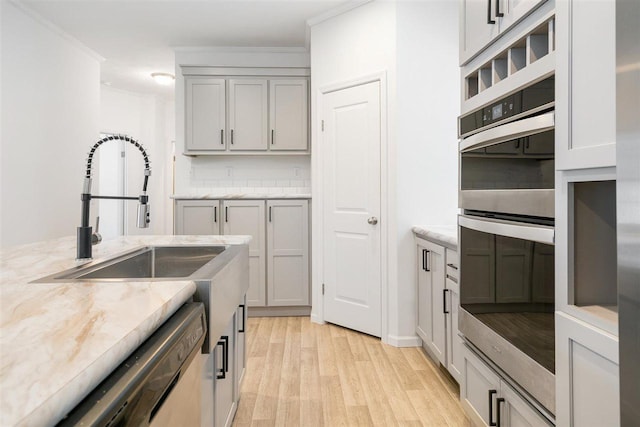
[158, 385]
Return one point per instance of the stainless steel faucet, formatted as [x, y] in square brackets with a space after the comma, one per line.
[85, 232]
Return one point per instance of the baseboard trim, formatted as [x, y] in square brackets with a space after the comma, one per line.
[316, 319]
[404, 341]
[278, 311]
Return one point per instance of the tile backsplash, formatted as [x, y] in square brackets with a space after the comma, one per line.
[247, 174]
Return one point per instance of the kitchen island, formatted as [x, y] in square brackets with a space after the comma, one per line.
[59, 340]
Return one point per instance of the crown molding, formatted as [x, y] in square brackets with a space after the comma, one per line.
[57, 30]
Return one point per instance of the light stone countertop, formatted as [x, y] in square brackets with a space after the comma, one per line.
[446, 235]
[58, 341]
[224, 195]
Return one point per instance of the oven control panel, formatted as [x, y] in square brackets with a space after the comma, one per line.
[533, 97]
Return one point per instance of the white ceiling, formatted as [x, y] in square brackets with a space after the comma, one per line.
[137, 37]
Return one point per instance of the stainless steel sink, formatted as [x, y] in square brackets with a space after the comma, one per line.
[220, 273]
[149, 262]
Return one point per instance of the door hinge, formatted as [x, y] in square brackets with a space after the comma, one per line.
[323, 289]
[322, 125]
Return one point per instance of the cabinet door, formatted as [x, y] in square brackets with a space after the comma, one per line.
[515, 10]
[454, 342]
[477, 29]
[197, 217]
[224, 368]
[514, 411]
[423, 329]
[434, 291]
[513, 269]
[288, 112]
[586, 85]
[587, 374]
[241, 347]
[205, 114]
[247, 114]
[287, 252]
[247, 217]
[478, 390]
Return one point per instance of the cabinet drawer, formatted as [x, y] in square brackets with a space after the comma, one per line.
[452, 264]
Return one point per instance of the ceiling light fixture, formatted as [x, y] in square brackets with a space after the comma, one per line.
[163, 78]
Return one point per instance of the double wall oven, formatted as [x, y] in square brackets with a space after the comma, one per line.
[506, 236]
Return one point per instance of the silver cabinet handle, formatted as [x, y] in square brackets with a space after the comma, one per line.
[373, 220]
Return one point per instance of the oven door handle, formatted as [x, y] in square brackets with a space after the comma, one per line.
[509, 131]
[537, 233]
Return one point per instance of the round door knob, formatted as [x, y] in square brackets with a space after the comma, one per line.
[373, 220]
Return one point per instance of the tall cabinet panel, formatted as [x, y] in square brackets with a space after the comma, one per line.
[205, 114]
[586, 104]
[246, 217]
[287, 252]
[197, 217]
[288, 114]
[247, 114]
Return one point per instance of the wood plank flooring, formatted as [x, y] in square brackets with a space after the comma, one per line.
[304, 374]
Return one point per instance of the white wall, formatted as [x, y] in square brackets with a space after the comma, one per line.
[426, 139]
[210, 174]
[353, 45]
[416, 44]
[149, 120]
[50, 106]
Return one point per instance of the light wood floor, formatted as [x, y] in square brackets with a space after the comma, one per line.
[304, 374]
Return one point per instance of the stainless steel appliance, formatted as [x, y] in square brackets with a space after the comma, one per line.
[506, 233]
[155, 386]
[507, 297]
[507, 154]
[628, 205]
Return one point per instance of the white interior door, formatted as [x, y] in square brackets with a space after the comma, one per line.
[351, 188]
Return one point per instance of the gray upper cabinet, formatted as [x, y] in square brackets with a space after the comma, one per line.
[477, 27]
[288, 114]
[205, 114]
[247, 114]
[484, 20]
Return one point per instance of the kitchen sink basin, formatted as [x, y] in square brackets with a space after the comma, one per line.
[220, 273]
[149, 262]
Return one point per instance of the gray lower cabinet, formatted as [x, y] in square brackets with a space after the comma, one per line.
[197, 217]
[287, 253]
[223, 373]
[246, 217]
[587, 374]
[241, 347]
[431, 285]
[489, 400]
[225, 403]
[438, 304]
[279, 248]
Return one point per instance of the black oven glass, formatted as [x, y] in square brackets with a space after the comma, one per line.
[521, 163]
[508, 285]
